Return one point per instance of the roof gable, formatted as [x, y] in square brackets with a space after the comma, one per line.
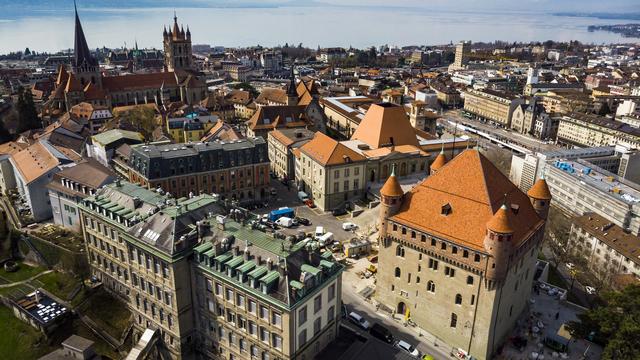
[385, 124]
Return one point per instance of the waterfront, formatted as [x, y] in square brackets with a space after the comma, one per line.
[313, 26]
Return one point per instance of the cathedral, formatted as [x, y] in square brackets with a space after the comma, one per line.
[84, 82]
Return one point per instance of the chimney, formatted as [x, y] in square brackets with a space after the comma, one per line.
[236, 250]
[247, 254]
[258, 260]
[270, 264]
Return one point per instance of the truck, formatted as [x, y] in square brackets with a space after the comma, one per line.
[325, 239]
[284, 221]
[283, 211]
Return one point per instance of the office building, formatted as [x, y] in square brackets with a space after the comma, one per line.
[579, 187]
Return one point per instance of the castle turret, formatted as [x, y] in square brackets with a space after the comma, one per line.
[439, 162]
[498, 242]
[390, 200]
[540, 197]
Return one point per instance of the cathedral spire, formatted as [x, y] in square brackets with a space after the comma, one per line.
[82, 55]
[291, 91]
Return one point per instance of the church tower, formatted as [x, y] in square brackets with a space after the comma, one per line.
[292, 93]
[177, 47]
[84, 66]
[391, 196]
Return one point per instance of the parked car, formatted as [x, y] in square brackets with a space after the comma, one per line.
[381, 332]
[339, 211]
[302, 221]
[590, 290]
[355, 318]
[570, 266]
[348, 226]
[410, 349]
[285, 222]
[273, 192]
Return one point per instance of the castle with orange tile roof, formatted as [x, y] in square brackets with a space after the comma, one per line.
[458, 252]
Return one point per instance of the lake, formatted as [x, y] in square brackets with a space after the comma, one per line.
[326, 26]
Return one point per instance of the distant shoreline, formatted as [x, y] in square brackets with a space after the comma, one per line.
[601, 16]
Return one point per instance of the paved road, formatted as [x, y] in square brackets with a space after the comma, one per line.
[424, 343]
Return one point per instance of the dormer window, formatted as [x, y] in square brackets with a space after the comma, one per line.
[446, 209]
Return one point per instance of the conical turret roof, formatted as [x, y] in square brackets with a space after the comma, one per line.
[540, 190]
[391, 187]
[439, 162]
[500, 221]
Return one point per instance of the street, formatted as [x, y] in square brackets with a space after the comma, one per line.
[351, 281]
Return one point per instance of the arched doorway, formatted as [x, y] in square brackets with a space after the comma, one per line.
[385, 172]
[402, 308]
[372, 177]
[403, 169]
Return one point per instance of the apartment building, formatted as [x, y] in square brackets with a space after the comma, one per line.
[491, 105]
[212, 286]
[190, 128]
[259, 297]
[72, 184]
[608, 249]
[458, 252]
[281, 144]
[237, 170]
[138, 244]
[579, 187]
[588, 130]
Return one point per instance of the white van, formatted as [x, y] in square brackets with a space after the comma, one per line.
[285, 222]
[325, 239]
[319, 231]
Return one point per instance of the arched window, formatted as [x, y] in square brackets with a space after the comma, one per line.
[465, 254]
[417, 279]
[476, 258]
[399, 251]
[397, 272]
[454, 320]
[469, 280]
[431, 286]
[458, 299]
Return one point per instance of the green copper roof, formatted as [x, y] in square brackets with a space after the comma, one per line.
[260, 239]
[270, 277]
[203, 247]
[258, 272]
[233, 263]
[310, 269]
[248, 266]
[224, 257]
[326, 255]
[326, 264]
[123, 211]
[296, 285]
[211, 252]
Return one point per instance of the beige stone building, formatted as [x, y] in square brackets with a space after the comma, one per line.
[608, 249]
[491, 105]
[588, 130]
[212, 287]
[458, 252]
[335, 172]
[281, 144]
[344, 114]
[264, 298]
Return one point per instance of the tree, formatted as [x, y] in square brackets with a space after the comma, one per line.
[246, 87]
[27, 115]
[143, 119]
[615, 324]
[557, 231]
